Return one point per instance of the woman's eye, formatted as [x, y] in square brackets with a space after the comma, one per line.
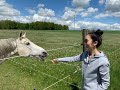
[27, 43]
[86, 41]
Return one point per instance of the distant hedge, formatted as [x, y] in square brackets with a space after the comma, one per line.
[8, 24]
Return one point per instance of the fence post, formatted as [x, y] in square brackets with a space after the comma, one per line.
[83, 39]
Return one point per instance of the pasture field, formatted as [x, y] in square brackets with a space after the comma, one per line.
[25, 73]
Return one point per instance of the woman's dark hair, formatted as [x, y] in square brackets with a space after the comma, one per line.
[96, 36]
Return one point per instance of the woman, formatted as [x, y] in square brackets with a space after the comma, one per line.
[95, 64]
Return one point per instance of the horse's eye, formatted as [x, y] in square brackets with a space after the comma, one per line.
[27, 43]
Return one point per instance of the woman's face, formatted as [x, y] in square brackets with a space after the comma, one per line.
[90, 45]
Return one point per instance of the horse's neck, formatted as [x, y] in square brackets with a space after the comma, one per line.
[14, 44]
[7, 47]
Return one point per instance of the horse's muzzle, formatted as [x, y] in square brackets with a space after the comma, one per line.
[42, 57]
[45, 54]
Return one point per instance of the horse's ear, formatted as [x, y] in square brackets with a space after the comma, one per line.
[24, 35]
[21, 34]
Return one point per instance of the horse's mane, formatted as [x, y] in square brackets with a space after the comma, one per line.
[6, 47]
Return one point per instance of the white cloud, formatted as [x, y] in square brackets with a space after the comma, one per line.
[116, 26]
[40, 5]
[80, 3]
[2, 2]
[23, 19]
[42, 11]
[78, 10]
[89, 11]
[102, 2]
[69, 14]
[116, 14]
[94, 25]
[31, 11]
[37, 17]
[113, 5]
[108, 14]
[7, 9]
[46, 12]
[102, 15]
[112, 9]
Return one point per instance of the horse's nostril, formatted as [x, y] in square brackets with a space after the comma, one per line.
[44, 53]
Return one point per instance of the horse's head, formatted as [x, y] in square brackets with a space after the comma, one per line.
[27, 48]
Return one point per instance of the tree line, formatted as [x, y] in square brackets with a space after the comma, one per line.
[8, 24]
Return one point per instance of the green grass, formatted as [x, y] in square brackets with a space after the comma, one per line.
[28, 73]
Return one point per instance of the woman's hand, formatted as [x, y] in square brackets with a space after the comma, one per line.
[54, 61]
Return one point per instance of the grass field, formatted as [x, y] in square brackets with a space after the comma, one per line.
[30, 74]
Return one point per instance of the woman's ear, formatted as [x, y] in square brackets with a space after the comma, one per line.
[95, 43]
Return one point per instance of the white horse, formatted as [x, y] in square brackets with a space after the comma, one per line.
[23, 46]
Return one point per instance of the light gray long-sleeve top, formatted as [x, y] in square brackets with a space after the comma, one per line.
[95, 72]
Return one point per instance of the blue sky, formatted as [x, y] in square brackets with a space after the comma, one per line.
[77, 14]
